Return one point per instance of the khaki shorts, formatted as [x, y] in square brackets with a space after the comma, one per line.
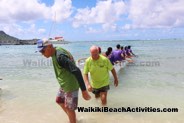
[70, 99]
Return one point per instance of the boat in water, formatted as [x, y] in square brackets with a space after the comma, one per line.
[58, 40]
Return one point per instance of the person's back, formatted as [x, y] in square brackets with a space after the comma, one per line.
[123, 52]
[127, 51]
[62, 74]
[117, 55]
[128, 55]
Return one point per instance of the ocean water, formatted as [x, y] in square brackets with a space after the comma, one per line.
[156, 79]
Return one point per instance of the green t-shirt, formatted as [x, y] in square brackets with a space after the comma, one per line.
[66, 79]
[99, 71]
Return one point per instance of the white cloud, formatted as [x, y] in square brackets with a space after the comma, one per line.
[18, 10]
[18, 17]
[11, 29]
[156, 13]
[126, 27]
[62, 9]
[23, 10]
[22, 32]
[108, 26]
[41, 31]
[108, 11]
[92, 30]
[14, 13]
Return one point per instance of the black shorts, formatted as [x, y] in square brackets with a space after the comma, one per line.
[102, 89]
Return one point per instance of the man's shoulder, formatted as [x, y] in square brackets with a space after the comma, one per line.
[88, 59]
[60, 53]
[103, 57]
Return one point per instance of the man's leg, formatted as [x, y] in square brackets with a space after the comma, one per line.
[71, 115]
[71, 103]
[103, 96]
[60, 99]
[68, 102]
[63, 107]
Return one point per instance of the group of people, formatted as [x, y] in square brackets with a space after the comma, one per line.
[70, 77]
[119, 54]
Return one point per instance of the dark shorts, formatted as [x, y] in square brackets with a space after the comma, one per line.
[69, 99]
[102, 89]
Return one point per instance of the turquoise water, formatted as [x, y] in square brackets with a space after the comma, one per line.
[29, 86]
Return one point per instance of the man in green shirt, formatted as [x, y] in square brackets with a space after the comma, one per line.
[99, 66]
[68, 75]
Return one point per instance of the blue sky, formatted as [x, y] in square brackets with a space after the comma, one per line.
[88, 20]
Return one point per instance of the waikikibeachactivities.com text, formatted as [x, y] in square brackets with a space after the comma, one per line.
[126, 109]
